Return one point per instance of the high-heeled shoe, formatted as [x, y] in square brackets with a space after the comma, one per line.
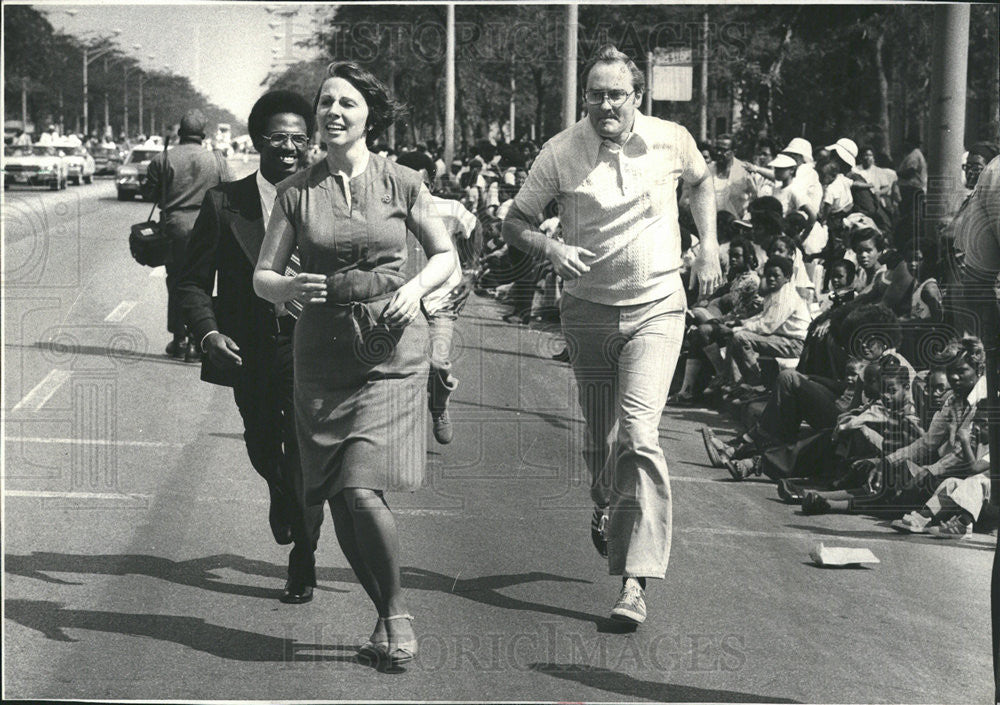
[399, 652]
[375, 647]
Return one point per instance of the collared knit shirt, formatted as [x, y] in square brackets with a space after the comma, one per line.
[619, 202]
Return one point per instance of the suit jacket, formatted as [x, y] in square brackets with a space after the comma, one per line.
[229, 210]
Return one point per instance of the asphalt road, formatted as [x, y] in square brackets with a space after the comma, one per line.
[139, 564]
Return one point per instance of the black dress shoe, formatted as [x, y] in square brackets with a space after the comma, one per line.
[281, 529]
[296, 593]
[562, 355]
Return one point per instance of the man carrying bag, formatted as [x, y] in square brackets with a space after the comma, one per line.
[179, 183]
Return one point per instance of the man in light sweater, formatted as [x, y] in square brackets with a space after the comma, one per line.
[614, 176]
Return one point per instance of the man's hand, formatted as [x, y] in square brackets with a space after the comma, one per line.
[567, 260]
[706, 271]
[222, 351]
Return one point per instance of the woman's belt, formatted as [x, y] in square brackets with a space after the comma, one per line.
[361, 285]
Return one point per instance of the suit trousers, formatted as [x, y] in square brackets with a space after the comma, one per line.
[623, 359]
[263, 394]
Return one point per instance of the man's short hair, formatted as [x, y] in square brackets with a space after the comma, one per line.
[766, 204]
[275, 103]
[609, 54]
[868, 321]
[192, 124]
[782, 263]
[418, 160]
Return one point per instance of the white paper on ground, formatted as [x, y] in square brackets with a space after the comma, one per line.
[838, 555]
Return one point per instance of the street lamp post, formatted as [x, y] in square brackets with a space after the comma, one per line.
[129, 70]
[90, 55]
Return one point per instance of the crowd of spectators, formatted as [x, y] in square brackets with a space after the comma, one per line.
[832, 341]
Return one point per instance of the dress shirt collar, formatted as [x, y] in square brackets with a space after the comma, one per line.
[268, 192]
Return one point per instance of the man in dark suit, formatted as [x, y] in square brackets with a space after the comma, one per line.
[247, 344]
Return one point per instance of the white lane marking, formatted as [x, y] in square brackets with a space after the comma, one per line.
[121, 310]
[43, 391]
[73, 495]
[158, 273]
[94, 442]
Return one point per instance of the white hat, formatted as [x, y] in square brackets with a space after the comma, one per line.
[801, 147]
[845, 149]
[859, 221]
[782, 161]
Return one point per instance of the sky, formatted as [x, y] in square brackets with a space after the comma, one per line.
[226, 49]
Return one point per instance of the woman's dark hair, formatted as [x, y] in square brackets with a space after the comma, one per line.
[782, 263]
[928, 248]
[859, 236]
[749, 252]
[969, 350]
[275, 103]
[847, 265]
[383, 110]
[609, 54]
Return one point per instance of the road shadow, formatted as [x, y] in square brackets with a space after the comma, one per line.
[196, 573]
[560, 422]
[199, 573]
[110, 353]
[485, 591]
[638, 689]
[52, 620]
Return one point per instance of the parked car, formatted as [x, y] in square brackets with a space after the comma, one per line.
[107, 159]
[34, 165]
[80, 165]
[131, 175]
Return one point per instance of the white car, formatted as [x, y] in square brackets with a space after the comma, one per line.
[34, 165]
[80, 166]
[131, 175]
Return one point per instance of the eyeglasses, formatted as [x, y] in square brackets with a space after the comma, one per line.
[278, 139]
[615, 97]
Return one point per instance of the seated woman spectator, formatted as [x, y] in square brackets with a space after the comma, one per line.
[957, 503]
[838, 284]
[777, 331]
[913, 472]
[820, 353]
[738, 299]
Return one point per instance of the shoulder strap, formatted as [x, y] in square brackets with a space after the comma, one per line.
[163, 182]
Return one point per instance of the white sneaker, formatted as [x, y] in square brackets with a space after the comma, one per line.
[631, 605]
